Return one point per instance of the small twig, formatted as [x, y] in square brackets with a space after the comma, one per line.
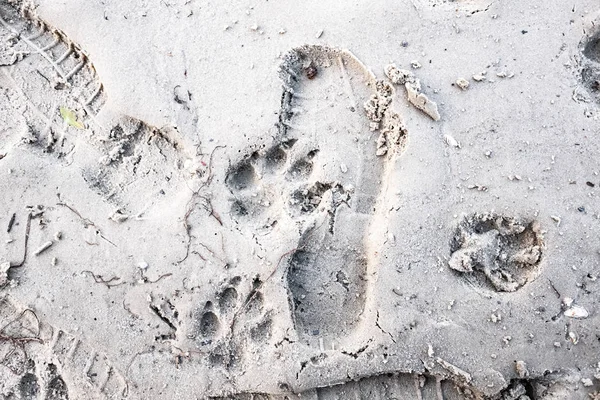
[188, 351]
[11, 222]
[43, 76]
[554, 288]
[187, 228]
[192, 202]
[126, 308]
[212, 253]
[20, 340]
[211, 211]
[86, 222]
[210, 163]
[24, 339]
[199, 255]
[187, 354]
[100, 279]
[104, 237]
[159, 278]
[27, 229]
[164, 319]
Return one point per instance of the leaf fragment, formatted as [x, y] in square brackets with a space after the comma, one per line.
[70, 118]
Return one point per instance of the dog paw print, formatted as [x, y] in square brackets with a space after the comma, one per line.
[277, 179]
[502, 251]
[55, 355]
[590, 65]
[214, 323]
[211, 322]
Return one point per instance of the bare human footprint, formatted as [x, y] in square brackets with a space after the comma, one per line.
[329, 168]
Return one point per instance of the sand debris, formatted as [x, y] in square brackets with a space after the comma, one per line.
[587, 382]
[393, 132]
[4, 267]
[504, 74]
[118, 216]
[378, 104]
[450, 141]
[521, 369]
[413, 90]
[454, 370]
[415, 64]
[462, 83]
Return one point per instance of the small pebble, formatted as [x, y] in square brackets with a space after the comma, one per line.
[521, 369]
[415, 64]
[450, 141]
[462, 83]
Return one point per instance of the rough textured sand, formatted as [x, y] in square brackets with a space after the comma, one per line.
[315, 200]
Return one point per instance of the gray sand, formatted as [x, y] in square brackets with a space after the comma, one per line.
[313, 200]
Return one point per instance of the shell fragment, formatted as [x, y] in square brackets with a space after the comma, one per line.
[576, 312]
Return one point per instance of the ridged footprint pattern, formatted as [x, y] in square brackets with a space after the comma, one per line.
[43, 72]
[52, 362]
